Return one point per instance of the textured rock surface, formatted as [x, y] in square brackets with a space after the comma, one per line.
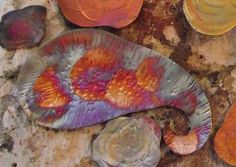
[160, 26]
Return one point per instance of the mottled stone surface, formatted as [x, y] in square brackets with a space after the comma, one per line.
[160, 26]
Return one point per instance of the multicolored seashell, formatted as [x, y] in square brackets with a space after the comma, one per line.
[211, 17]
[225, 139]
[89, 76]
[94, 13]
[128, 142]
[23, 28]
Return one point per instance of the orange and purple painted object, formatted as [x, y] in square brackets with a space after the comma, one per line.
[88, 76]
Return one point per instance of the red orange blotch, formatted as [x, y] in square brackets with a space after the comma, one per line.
[51, 94]
[101, 58]
[123, 90]
[91, 74]
[149, 74]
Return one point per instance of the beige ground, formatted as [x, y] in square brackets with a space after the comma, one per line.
[162, 27]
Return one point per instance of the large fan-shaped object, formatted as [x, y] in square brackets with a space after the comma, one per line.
[88, 76]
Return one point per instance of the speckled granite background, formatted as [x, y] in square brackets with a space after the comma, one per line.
[160, 26]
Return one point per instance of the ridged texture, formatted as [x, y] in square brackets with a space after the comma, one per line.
[211, 17]
[128, 142]
[24, 28]
[118, 78]
[225, 139]
[94, 13]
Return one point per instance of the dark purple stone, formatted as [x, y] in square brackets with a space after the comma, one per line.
[24, 28]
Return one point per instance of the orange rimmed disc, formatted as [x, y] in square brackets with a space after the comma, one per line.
[225, 139]
[103, 4]
[149, 74]
[112, 13]
[101, 13]
[51, 93]
[91, 74]
[74, 15]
